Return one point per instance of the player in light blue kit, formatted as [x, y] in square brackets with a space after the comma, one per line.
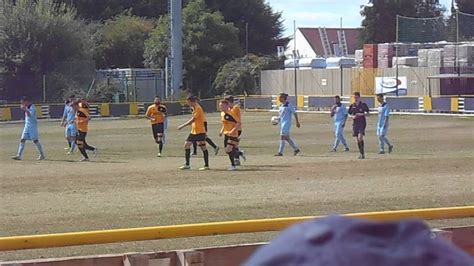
[339, 113]
[69, 122]
[30, 131]
[286, 112]
[382, 125]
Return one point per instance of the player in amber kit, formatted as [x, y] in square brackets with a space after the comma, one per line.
[230, 128]
[198, 134]
[82, 123]
[156, 113]
[235, 109]
[208, 140]
[358, 111]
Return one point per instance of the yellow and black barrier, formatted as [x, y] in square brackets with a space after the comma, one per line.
[209, 229]
[451, 104]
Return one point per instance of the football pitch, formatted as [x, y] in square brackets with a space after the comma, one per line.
[126, 185]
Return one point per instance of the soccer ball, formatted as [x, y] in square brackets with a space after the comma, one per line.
[275, 120]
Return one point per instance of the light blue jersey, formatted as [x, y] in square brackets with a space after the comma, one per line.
[30, 131]
[287, 110]
[340, 115]
[383, 119]
[70, 115]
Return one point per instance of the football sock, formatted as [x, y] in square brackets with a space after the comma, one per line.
[343, 140]
[282, 146]
[83, 152]
[362, 147]
[40, 148]
[213, 145]
[160, 146]
[293, 144]
[21, 148]
[381, 143]
[195, 147]
[387, 141]
[87, 147]
[232, 157]
[336, 142]
[237, 153]
[187, 155]
[206, 157]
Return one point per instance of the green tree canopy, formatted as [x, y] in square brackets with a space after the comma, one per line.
[121, 41]
[34, 37]
[241, 75]
[379, 23]
[208, 42]
[106, 9]
[466, 6]
[265, 26]
[466, 21]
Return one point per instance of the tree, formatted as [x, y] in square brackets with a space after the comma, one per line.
[265, 26]
[466, 21]
[466, 6]
[34, 37]
[380, 16]
[241, 75]
[106, 9]
[208, 42]
[121, 41]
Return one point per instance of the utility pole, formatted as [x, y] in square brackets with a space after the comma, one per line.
[176, 64]
[295, 62]
[246, 38]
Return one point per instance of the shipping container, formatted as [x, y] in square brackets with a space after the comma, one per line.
[370, 56]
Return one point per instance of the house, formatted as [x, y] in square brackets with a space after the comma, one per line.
[309, 43]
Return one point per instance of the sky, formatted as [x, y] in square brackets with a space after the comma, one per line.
[324, 13]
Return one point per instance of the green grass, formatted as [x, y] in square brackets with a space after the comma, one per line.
[128, 186]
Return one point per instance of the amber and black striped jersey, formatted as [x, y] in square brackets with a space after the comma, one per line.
[199, 116]
[82, 117]
[236, 111]
[229, 121]
[158, 112]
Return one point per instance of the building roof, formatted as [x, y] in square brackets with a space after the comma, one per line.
[313, 38]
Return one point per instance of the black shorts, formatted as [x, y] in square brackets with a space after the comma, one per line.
[358, 128]
[81, 136]
[197, 138]
[157, 129]
[229, 140]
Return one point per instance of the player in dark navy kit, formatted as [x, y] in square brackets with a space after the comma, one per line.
[358, 110]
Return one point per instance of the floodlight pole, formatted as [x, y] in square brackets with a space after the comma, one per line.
[176, 29]
[341, 68]
[294, 62]
[458, 65]
[246, 38]
[396, 56]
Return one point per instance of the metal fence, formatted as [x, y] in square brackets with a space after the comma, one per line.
[421, 81]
